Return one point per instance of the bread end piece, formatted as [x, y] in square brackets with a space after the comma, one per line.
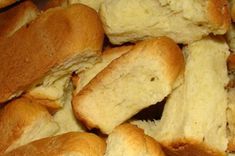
[129, 140]
[72, 143]
[23, 121]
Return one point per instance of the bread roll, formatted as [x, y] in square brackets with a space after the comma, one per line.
[16, 17]
[194, 118]
[128, 140]
[23, 121]
[68, 144]
[142, 77]
[58, 42]
[182, 20]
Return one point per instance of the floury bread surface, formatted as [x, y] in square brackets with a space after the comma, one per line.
[128, 140]
[68, 144]
[194, 118]
[23, 121]
[16, 17]
[136, 80]
[182, 20]
[58, 42]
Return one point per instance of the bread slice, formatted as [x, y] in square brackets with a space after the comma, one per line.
[107, 57]
[128, 140]
[136, 80]
[194, 118]
[23, 121]
[95, 4]
[5, 3]
[183, 21]
[68, 144]
[58, 42]
[16, 17]
[65, 117]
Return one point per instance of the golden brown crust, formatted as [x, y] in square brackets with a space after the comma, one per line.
[15, 117]
[12, 19]
[218, 14]
[189, 148]
[5, 3]
[53, 38]
[73, 142]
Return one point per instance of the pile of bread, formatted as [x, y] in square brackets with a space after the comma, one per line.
[74, 74]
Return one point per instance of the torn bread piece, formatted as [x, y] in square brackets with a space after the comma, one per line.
[129, 140]
[95, 4]
[58, 42]
[16, 17]
[65, 117]
[183, 21]
[5, 3]
[53, 96]
[142, 77]
[68, 144]
[23, 121]
[194, 118]
[107, 57]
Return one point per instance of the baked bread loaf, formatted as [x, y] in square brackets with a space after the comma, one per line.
[5, 3]
[107, 57]
[95, 4]
[183, 21]
[128, 140]
[142, 77]
[68, 144]
[16, 17]
[194, 117]
[58, 42]
[23, 121]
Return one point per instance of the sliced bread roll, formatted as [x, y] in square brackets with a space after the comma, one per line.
[16, 17]
[194, 118]
[128, 140]
[106, 58]
[23, 121]
[136, 80]
[58, 42]
[68, 144]
[183, 21]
